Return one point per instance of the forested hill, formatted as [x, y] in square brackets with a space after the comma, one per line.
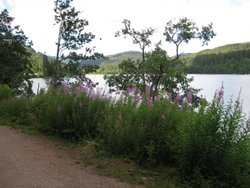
[228, 59]
[115, 59]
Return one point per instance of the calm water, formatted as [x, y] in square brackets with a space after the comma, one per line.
[232, 84]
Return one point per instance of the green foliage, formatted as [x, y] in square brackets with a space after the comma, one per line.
[15, 68]
[209, 146]
[69, 116]
[15, 110]
[156, 71]
[185, 30]
[108, 69]
[5, 91]
[214, 146]
[224, 60]
[71, 36]
[143, 133]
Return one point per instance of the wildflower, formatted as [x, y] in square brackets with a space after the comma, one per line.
[170, 95]
[147, 90]
[158, 97]
[221, 94]
[178, 98]
[132, 90]
[137, 99]
[189, 97]
[64, 86]
[149, 102]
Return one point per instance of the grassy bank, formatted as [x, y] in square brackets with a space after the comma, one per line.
[204, 147]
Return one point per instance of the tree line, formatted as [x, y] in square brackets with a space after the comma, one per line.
[231, 62]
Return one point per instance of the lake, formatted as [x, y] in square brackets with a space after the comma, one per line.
[209, 83]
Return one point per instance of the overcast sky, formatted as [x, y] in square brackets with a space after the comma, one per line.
[231, 19]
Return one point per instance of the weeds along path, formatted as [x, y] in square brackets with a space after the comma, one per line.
[28, 161]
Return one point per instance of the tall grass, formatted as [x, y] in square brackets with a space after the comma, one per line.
[210, 146]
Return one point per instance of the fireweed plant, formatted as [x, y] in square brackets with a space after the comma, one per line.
[208, 145]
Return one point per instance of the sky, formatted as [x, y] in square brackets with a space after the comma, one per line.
[231, 20]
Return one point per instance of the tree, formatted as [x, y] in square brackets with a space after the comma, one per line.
[186, 30]
[142, 39]
[156, 69]
[15, 65]
[71, 36]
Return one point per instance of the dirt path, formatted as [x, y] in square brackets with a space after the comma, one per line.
[28, 161]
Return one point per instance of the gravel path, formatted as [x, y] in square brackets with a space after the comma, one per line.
[33, 162]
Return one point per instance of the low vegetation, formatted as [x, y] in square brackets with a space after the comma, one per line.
[207, 146]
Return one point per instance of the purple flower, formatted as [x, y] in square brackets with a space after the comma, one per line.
[178, 98]
[137, 99]
[189, 97]
[149, 102]
[158, 98]
[64, 86]
[132, 90]
[170, 95]
[221, 94]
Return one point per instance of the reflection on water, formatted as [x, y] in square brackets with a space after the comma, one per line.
[232, 84]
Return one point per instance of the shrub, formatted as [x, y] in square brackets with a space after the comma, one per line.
[68, 115]
[5, 91]
[214, 146]
[16, 110]
[144, 133]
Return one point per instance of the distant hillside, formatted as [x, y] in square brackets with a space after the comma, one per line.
[228, 59]
[115, 59]
[227, 48]
[109, 62]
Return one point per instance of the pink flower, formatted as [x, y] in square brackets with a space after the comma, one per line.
[149, 102]
[158, 98]
[170, 95]
[221, 94]
[147, 90]
[64, 86]
[178, 98]
[137, 99]
[189, 97]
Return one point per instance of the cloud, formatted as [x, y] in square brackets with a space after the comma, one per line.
[231, 20]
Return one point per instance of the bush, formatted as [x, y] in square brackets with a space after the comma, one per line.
[214, 146]
[144, 133]
[5, 92]
[210, 146]
[16, 110]
[68, 115]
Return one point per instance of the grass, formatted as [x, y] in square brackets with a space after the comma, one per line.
[164, 144]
